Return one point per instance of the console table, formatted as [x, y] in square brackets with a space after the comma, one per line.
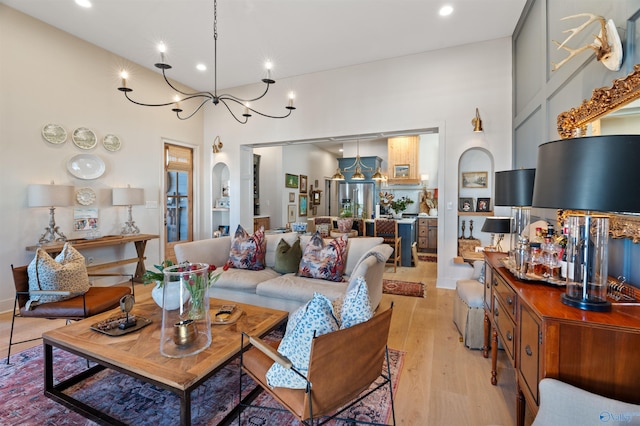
[542, 337]
[140, 241]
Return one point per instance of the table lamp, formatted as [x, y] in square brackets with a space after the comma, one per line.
[497, 225]
[514, 188]
[51, 196]
[589, 174]
[128, 197]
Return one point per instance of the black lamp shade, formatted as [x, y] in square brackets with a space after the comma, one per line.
[514, 187]
[597, 173]
[497, 225]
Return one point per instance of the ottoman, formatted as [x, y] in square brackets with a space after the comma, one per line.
[468, 310]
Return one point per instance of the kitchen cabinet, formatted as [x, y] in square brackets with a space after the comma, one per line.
[428, 234]
[595, 351]
[403, 159]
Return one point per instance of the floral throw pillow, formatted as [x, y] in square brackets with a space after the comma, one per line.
[248, 251]
[322, 261]
[316, 317]
[67, 272]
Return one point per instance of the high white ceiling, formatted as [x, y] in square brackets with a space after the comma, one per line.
[299, 36]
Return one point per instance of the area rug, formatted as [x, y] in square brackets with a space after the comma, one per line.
[138, 403]
[428, 257]
[403, 288]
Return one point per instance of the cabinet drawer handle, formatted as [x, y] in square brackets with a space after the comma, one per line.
[510, 300]
[509, 336]
[527, 350]
[495, 311]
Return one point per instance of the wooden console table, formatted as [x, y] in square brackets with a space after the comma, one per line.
[140, 241]
[542, 337]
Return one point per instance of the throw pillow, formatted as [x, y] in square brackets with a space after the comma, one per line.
[287, 257]
[322, 261]
[316, 317]
[356, 307]
[67, 272]
[247, 251]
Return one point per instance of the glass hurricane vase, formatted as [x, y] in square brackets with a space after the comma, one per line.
[186, 329]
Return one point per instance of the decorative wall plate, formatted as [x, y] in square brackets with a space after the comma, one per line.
[85, 196]
[111, 142]
[86, 166]
[84, 138]
[54, 133]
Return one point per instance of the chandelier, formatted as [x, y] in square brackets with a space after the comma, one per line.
[358, 166]
[204, 97]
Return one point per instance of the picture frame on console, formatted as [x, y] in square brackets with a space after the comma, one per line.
[483, 205]
[465, 204]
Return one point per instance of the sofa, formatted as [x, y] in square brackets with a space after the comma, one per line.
[365, 256]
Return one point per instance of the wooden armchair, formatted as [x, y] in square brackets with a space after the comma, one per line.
[343, 364]
[96, 300]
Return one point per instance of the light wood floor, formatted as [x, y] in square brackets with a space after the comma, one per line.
[442, 382]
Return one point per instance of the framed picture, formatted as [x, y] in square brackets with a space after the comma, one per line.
[465, 204]
[292, 197]
[474, 179]
[302, 205]
[290, 181]
[224, 229]
[401, 171]
[483, 205]
[303, 184]
[315, 197]
[291, 213]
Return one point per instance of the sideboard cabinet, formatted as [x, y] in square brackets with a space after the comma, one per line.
[542, 337]
[428, 234]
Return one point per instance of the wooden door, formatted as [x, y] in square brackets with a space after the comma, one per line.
[178, 197]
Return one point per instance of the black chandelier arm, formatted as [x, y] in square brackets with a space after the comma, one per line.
[254, 110]
[240, 100]
[207, 94]
[126, 94]
[178, 111]
[273, 116]
[223, 101]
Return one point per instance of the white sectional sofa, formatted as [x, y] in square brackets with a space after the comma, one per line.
[366, 257]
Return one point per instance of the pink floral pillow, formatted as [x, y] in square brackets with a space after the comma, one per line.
[247, 251]
[322, 261]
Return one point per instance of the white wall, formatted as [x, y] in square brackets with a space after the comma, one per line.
[48, 76]
[431, 90]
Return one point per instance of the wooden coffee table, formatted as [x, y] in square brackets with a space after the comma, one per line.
[138, 354]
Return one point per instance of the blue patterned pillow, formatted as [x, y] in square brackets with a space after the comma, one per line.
[248, 251]
[356, 307]
[325, 262]
[315, 317]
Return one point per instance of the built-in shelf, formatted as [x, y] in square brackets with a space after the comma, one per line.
[219, 209]
[475, 213]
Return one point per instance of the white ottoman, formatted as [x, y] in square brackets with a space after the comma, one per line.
[468, 311]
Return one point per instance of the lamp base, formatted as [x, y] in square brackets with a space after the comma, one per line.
[585, 304]
[52, 233]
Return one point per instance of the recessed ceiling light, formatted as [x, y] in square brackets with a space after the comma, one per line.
[201, 67]
[446, 10]
[83, 3]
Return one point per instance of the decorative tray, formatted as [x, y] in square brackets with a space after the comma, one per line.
[223, 319]
[531, 277]
[110, 326]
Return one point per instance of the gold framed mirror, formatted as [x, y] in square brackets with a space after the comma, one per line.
[575, 122]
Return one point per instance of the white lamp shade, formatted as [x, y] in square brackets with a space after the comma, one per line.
[128, 196]
[49, 195]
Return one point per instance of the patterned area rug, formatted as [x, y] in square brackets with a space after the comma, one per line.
[428, 257]
[138, 403]
[403, 288]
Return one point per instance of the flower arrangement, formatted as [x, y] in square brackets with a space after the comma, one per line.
[153, 276]
[400, 204]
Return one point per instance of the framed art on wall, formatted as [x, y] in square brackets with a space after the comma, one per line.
[290, 181]
[401, 171]
[303, 184]
[302, 205]
[292, 197]
[474, 179]
[291, 213]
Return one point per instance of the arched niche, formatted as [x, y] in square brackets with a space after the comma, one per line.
[476, 163]
[220, 193]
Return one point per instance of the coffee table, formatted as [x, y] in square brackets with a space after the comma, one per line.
[138, 354]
